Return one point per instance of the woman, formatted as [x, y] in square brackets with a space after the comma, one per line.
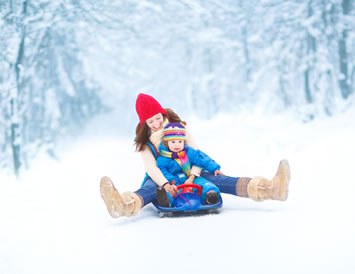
[149, 134]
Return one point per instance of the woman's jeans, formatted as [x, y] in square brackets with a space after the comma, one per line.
[225, 184]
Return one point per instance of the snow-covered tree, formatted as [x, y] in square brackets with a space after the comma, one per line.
[62, 60]
[309, 39]
[45, 89]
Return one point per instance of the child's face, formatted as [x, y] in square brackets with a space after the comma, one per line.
[176, 145]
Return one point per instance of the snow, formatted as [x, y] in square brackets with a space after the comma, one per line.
[54, 221]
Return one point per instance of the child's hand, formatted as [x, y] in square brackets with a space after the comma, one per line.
[171, 188]
[218, 172]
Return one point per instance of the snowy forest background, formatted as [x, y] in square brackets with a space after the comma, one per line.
[63, 62]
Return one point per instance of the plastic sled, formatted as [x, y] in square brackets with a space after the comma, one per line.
[188, 202]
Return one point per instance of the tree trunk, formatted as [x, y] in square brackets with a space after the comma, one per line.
[15, 98]
[246, 54]
[307, 87]
[344, 82]
[311, 48]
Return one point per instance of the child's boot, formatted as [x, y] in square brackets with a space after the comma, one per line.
[162, 197]
[125, 204]
[211, 197]
[260, 188]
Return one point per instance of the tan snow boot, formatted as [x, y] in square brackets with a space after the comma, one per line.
[260, 188]
[125, 204]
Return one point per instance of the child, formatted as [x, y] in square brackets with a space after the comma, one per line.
[175, 163]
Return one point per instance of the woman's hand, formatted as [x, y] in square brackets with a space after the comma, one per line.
[218, 172]
[171, 188]
[190, 180]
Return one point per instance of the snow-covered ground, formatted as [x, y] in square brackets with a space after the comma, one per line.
[54, 221]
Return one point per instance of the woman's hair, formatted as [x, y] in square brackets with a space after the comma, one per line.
[165, 143]
[143, 132]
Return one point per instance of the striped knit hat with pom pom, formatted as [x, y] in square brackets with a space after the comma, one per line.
[175, 131]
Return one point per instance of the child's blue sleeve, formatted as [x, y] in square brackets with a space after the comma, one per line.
[201, 159]
[162, 164]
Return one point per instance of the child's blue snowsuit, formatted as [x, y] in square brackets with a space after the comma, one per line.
[173, 171]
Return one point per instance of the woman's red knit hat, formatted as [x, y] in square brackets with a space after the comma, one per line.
[147, 106]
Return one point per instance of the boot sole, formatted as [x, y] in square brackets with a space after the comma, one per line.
[162, 198]
[212, 198]
[111, 197]
[283, 172]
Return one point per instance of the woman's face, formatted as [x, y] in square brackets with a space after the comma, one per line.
[155, 123]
